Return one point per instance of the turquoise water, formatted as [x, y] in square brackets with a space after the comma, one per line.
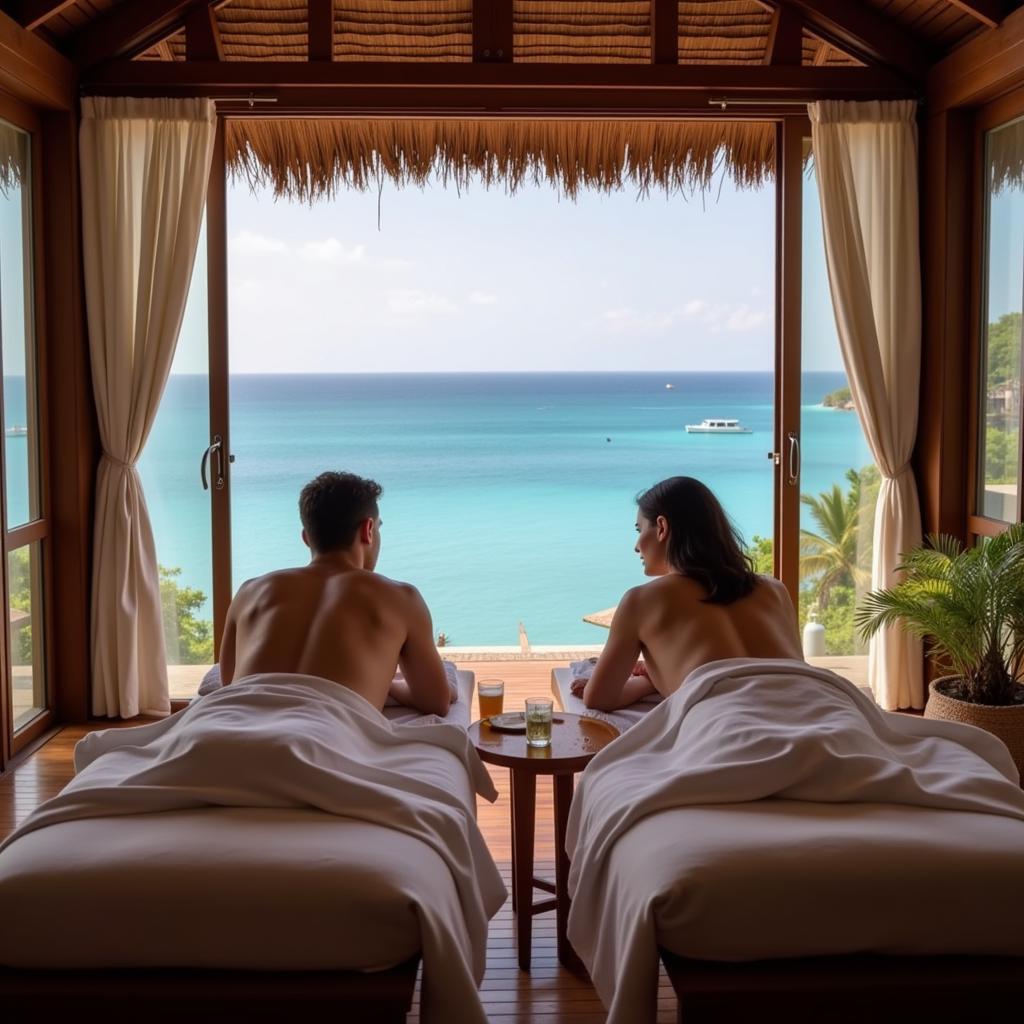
[507, 497]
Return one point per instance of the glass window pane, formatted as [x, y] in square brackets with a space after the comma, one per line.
[179, 508]
[839, 482]
[17, 327]
[999, 405]
[25, 633]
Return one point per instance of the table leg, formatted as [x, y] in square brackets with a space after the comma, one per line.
[524, 793]
[563, 785]
[512, 819]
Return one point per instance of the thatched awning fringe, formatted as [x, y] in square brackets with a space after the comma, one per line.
[312, 159]
[1005, 150]
[13, 157]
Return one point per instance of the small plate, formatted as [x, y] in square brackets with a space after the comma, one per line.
[512, 721]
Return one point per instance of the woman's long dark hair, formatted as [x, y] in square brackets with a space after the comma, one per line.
[702, 543]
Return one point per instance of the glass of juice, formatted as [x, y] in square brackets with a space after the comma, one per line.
[538, 722]
[492, 697]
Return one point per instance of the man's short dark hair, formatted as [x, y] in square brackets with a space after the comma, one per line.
[333, 505]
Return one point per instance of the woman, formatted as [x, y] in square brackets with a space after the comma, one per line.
[706, 602]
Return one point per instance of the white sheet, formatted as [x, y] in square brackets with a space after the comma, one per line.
[742, 731]
[288, 744]
[459, 713]
[623, 719]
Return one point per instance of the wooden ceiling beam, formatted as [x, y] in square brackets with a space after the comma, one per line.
[493, 31]
[664, 31]
[202, 34]
[785, 38]
[495, 89]
[33, 70]
[131, 28]
[33, 13]
[320, 30]
[860, 31]
[988, 12]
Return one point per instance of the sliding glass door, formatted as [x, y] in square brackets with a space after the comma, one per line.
[26, 702]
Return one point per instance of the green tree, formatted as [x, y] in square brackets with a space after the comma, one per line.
[762, 553]
[835, 555]
[189, 638]
[1001, 455]
[19, 582]
[1004, 350]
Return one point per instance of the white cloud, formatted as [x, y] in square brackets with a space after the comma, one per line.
[252, 242]
[743, 319]
[478, 298]
[330, 250]
[718, 318]
[411, 301]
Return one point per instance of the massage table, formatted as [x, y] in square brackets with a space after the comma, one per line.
[811, 904]
[275, 914]
[561, 690]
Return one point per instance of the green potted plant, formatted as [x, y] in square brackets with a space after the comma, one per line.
[967, 604]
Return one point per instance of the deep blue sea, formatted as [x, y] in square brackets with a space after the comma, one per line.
[507, 497]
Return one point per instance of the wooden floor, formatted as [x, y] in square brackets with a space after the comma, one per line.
[548, 994]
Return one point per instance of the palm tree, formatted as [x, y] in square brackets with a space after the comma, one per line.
[968, 603]
[831, 554]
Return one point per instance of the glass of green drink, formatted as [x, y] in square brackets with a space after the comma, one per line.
[538, 722]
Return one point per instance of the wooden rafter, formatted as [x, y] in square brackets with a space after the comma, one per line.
[492, 31]
[320, 29]
[988, 12]
[493, 89]
[857, 29]
[27, 64]
[131, 28]
[202, 36]
[33, 13]
[785, 38]
[664, 32]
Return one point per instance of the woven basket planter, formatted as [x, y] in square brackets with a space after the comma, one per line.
[1004, 722]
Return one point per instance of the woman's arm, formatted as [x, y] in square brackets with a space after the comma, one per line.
[607, 689]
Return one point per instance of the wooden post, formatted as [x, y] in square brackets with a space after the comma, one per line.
[664, 32]
[321, 30]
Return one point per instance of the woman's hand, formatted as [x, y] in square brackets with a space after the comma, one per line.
[577, 686]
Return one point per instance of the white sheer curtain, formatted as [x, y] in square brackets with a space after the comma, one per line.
[865, 155]
[145, 166]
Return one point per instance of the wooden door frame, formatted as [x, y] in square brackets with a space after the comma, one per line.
[39, 530]
[1002, 111]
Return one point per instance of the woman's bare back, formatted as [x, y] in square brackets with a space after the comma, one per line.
[679, 631]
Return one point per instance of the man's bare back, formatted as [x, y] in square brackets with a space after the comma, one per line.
[340, 623]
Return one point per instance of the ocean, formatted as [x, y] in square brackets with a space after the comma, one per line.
[507, 498]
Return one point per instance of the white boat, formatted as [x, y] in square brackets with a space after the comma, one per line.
[718, 426]
[16, 431]
[670, 387]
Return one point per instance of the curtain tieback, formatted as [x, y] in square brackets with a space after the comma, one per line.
[118, 462]
[898, 472]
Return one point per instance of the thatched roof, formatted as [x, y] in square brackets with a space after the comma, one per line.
[309, 159]
[1005, 151]
[13, 156]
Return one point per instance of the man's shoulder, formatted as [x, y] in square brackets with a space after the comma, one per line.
[386, 583]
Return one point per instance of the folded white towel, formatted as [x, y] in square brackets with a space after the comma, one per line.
[585, 669]
[211, 681]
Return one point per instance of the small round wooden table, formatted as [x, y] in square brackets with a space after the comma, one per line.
[574, 741]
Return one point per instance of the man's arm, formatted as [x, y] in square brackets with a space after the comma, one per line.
[607, 689]
[428, 690]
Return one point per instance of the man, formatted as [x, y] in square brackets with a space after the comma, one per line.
[336, 618]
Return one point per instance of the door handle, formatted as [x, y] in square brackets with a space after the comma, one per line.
[793, 467]
[217, 447]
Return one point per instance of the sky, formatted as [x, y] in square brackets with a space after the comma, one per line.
[480, 280]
